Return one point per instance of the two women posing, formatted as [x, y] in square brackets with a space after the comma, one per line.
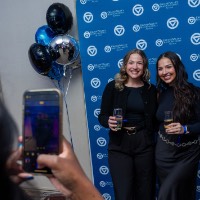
[131, 150]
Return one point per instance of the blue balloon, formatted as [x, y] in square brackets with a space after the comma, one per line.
[56, 72]
[44, 35]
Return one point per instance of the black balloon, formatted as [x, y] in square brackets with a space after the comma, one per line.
[40, 58]
[59, 18]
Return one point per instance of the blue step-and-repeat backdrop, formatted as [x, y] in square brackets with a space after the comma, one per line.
[107, 30]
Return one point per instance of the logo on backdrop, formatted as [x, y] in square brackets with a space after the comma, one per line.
[191, 20]
[96, 112]
[97, 128]
[101, 142]
[106, 196]
[119, 30]
[120, 63]
[194, 57]
[155, 7]
[193, 3]
[104, 170]
[195, 38]
[141, 44]
[95, 82]
[138, 10]
[196, 75]
[88, 17]
[172, 23]
[83, 1]
[92, 51]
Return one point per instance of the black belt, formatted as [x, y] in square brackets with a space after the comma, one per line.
[132, 130]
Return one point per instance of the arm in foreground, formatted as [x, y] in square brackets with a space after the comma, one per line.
[68, 176]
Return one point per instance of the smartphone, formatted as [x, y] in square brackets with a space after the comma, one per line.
[42, 126]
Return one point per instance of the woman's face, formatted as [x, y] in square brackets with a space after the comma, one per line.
[135, 66]
[166, 70]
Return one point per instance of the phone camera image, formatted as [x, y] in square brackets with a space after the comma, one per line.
[41, 127]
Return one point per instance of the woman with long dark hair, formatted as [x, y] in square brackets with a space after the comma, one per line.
[177, 149]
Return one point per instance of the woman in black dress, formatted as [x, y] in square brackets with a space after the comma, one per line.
[177, 149]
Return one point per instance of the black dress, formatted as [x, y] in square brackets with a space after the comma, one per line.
[177, 156]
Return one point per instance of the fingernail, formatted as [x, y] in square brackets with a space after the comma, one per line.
[20, 145]
[29, 178]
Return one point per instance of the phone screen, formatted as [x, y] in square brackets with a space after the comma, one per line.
[41, 131]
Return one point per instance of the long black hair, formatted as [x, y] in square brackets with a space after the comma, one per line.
[185, 93]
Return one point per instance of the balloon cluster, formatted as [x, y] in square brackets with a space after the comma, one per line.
[55, 51]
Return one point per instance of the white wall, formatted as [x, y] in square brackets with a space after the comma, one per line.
[19, 21]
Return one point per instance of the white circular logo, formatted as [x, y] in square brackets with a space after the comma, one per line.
[100, 156]
[172, 23]
[106, 196]
[159, 42]
[120, 63]
[94, 98]
[104, 170]
[136, 28]
[155, 7]
[193, 3]
[96, 112]
[88, 17]
[196, 75]
[102, 183]
[101, 142]
[104, 15]
[119, 30]
[191, 20]
[195, 39]
[90, 67]
[138, 10]
[97, 128]
[95, 82]
[107, 49]
[92, 50]
[83, 1]
[194, 57]
[86, 34]
[141, 44]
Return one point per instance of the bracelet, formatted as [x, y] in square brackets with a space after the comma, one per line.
[185, 129]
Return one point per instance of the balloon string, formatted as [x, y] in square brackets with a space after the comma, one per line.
[61, 87]
[65, 100]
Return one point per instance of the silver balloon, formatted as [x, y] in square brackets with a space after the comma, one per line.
[67, 48]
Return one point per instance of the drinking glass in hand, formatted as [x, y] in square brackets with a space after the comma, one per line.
[168, 118]
[117, 112]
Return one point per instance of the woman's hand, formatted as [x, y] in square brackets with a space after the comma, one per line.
[175, 128]
[14, 166]
[112, 123]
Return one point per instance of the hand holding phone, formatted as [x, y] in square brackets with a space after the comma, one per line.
[42, 126]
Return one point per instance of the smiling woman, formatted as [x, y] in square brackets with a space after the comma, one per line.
[177, 148]
[131, 147]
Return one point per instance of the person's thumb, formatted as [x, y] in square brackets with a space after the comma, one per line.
[45, 160]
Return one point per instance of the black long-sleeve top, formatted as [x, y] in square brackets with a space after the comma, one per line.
[113, 98]
[166, 100]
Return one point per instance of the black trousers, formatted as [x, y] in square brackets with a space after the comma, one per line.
[132, 167]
